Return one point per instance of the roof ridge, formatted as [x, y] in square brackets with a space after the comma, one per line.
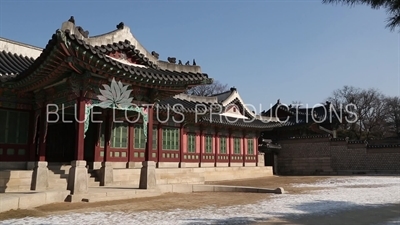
[121, 34]
[20, 43]
[19, 48]
[214, 95]
[207, 99]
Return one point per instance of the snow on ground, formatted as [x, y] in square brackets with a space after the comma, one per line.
[343, 194]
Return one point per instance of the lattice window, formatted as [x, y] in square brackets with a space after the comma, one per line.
[119, 135]
[14, 127]
[208, 144]
[102, 134]
[222, 145]
[140, 139]
[191, 140]
[236, 146]
[250, 146]
[170, 139]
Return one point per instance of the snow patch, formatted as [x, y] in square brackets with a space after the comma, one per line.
[327, 202]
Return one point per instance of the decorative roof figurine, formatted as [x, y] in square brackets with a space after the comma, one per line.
[120, 26]
[72, 19]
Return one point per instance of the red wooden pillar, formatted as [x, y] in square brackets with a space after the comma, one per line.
[182, 143]
[130, 142]
[216, 149]
[230, 147]
[256, 146]
[244, 147]
[80, 131]
[43, 134]
[159, 142]
[97, 149]
[201, 145]
[149, 142]
[32, 136]
[107, 134]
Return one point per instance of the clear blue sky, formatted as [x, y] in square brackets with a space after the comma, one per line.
[269, 50]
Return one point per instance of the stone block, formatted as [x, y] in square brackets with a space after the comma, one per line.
[125, 193]
[207, 164]
[236, 164]
[182, 188]
[40, 176]
[223, 188]
[165, 188]
[148, 175]
[222, 164]
[203, 188]
[77, 198]
[32, 200]
[106, 174]
[25, 174]
[134, 165]
[190, 165]
[168, 165]
[56, 196]
[18, 182]
[78, 177]
[8, 203]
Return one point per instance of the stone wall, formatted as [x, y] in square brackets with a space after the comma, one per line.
[324, 156]
[126, 177]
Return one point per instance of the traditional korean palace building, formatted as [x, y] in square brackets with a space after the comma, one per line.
[105, 102]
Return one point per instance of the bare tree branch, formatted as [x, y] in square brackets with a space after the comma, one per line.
[206, 90]
[370, 112]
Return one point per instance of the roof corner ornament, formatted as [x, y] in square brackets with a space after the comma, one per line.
[84, 33]
[155, 54]
[120, 26]
[72, 20]
[63, 37]
[171, 59]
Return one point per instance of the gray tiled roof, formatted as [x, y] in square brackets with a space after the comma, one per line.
[11, 65]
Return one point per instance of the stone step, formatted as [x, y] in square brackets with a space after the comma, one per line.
[58, 171]
[15, 188]
[57, 187]
[58, 176]
[94, 184]
[167, 176]
[92, 179]
[58, 181]
[59, 166]
[55, 171]
[133, 184]
[182, 180]
[101, 195]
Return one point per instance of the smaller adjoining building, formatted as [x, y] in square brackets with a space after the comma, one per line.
[305, 143]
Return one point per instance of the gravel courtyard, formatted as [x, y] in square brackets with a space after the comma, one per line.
[308, 201]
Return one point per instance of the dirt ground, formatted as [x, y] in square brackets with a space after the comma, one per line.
[198, 200]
